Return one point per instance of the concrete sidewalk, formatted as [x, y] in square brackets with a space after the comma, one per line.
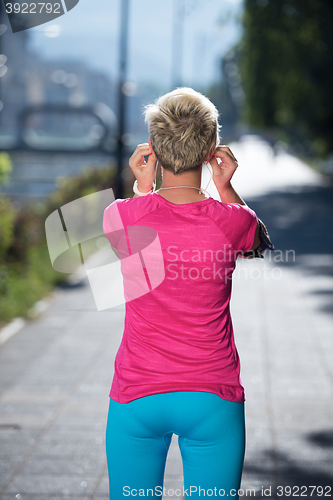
[283, 320]
[55, 373]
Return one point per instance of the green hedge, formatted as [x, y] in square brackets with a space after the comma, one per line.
[26, 273]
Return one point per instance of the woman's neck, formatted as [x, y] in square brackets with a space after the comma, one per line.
[173, 190]
[191, 178]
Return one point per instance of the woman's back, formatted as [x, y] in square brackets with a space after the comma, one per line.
[179, 335]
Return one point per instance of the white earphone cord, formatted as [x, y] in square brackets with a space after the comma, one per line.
[199, 189]
[206, 163]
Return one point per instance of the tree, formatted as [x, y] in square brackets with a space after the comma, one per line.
[287, 68]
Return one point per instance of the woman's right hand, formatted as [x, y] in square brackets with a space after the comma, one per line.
[144, 172]
[223, 172]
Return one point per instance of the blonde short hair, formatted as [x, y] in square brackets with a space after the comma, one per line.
[183, 128]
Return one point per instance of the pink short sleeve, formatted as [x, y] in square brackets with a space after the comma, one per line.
[242, 224]
[112, 224]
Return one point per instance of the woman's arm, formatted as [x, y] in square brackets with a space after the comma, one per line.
[229, 195]
[222, 174]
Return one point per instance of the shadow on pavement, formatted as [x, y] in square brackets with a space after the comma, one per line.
[296, 472]
[296, 480]
[301, 219]
[69, 285]
[321, 438]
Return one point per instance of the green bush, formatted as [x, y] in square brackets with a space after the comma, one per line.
[90, 181]
[8, 215]
[5, 167]
[26, 273]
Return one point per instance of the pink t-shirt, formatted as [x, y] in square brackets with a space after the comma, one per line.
[177, 263]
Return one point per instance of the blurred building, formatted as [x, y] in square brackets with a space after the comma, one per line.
[27, 80]
[67, 82]
[14, 75]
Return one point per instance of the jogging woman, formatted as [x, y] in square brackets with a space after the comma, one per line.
[177, 370]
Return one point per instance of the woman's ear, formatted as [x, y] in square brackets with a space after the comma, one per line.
[210, 154]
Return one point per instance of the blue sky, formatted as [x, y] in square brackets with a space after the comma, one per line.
[91, 34]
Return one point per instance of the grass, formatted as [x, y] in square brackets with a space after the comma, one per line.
[26, 272]
[24, 284]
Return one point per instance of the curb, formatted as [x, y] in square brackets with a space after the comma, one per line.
[38, 308]
[11, 329]
[34, 312]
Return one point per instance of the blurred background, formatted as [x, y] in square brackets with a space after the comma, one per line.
[72, 94]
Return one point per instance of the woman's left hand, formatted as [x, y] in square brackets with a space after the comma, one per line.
[144, 171]
[223, 172]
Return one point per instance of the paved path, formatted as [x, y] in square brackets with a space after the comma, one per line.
[55, 373]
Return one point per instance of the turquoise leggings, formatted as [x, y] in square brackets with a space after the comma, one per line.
[211, 439]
